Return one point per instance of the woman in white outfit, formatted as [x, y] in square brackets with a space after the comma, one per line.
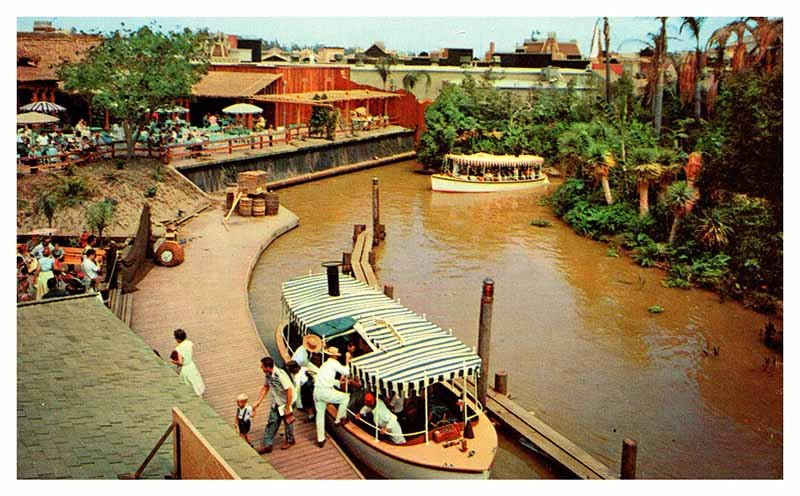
[183, 357]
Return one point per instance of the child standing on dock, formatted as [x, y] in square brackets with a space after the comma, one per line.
[244, 414]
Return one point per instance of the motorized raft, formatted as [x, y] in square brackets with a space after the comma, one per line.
[485, 173]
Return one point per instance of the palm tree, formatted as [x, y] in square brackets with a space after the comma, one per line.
[713, 231]
[599, 155]
[607, 38]
[647, 169]
[679, 196]
[384, 67]
[411, 79]
[695, 63]
[692, 169]
[661, 54]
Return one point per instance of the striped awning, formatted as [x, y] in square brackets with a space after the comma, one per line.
[408, 349]
[488, 160]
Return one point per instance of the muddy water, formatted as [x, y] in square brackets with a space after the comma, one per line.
[570, 324]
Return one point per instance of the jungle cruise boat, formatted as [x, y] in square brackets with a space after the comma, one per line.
[485, 173]
[403, 359]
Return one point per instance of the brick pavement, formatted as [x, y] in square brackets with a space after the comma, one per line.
[207, 296]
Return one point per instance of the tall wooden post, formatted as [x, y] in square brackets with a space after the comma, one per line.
[376, 213]
[485, 336]
[628, 465]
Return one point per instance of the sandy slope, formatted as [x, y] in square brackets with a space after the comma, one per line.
[127, 186]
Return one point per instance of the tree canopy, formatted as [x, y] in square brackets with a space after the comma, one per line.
[133, 73]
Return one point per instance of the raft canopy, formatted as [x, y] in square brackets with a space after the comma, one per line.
[489, 160]
[409, 352]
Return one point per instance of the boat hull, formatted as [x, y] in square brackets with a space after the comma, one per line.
[450, 184]
[393, 468]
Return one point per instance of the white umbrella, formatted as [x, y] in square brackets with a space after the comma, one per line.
[242, 108]
[173, 110]
[35, 118]
[46, 107]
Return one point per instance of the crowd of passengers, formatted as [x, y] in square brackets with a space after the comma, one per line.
[42, 272]
[316, 377]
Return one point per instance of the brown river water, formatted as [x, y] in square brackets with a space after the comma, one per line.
[570, 324]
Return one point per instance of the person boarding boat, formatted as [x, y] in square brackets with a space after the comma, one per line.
[325, 392]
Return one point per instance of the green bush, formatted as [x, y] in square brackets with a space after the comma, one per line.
[567, 195]
[73, 191]
[596, 221]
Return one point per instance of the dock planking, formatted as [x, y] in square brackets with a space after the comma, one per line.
[544, 437]
[217, 319]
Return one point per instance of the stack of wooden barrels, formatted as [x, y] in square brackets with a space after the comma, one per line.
[253, 198]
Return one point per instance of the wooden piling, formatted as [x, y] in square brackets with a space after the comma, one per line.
[388, 290]
[347, 262]
[628, 465]
[376, 213]
[501, 382]
[485, 336]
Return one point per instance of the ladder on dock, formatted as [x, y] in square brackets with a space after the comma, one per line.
[544, 438]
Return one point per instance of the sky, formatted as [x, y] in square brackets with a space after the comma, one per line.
[406, 34]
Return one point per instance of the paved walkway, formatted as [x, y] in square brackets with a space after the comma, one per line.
[207, 296]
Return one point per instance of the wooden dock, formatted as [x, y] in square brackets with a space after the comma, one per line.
[544, 438]
[362, 269]
[207, 296]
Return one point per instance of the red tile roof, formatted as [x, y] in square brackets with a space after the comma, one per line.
[48, 50]
[229, 84]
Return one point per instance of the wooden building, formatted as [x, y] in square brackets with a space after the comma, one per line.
[39, 53]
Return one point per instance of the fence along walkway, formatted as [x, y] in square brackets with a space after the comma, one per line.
[183, 151]
[207, 296]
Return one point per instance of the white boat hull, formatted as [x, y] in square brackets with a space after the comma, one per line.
[393, 468]
[450, 184]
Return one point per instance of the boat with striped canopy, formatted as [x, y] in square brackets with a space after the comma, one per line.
[404, 356]
[486, 173]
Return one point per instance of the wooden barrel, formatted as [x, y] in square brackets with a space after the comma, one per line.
[230, 195]
[259, 207]
[246, 207]
[272, 203]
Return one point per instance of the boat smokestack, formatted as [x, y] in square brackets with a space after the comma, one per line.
[333, 277]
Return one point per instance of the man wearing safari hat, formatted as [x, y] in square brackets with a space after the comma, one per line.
[325, 392]
[311, 344]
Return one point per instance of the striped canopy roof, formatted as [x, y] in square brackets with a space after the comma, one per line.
[408, 349]
[486, 159]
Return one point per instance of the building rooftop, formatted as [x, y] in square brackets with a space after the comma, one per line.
[48, 50]
[93, 399]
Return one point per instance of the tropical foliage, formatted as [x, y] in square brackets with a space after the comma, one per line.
[682, 180]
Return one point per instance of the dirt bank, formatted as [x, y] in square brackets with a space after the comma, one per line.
[126, 187]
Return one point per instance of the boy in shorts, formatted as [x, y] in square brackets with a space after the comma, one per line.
[244, 415]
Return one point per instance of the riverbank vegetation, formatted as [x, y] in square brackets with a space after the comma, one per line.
[685, 175]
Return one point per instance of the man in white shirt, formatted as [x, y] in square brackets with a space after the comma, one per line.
[325, 392]
[281, 388]
[91, 271]
[383, 418]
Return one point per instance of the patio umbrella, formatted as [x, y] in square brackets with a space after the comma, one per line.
[35, 118]
[172, 110]
[46, 107]
[242, 108]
